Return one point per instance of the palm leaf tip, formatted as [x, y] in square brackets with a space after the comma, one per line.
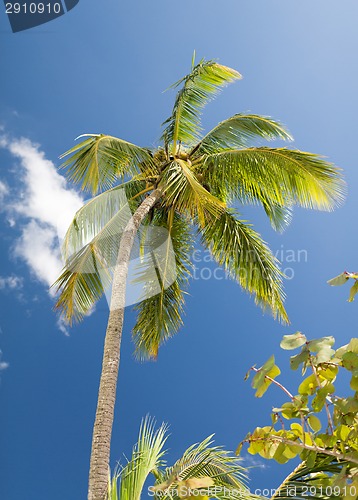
[247, 259]
[198, 87]
[147, 457]
[81, 284]
[159, 317]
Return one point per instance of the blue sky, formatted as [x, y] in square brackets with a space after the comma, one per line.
[103, 68]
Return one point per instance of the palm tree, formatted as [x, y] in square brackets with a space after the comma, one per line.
[324, 478]
[188, 185]
[203, 468]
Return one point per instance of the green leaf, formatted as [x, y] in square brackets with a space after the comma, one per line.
[350, 361]
[314, 422]
[260, 382]
[320, 398]
[342, 432]
[272, 373]
[317, 344]
[270, 363]
[354, 383]
[239, 448]
[328, 372]
[288, 411]
[280, 455]
[353, 345]
[308, 385]
[339, 280]
[293, 341]
[322, 347]
[255, 447]
[311, 459]
[353, 292]
[324, 355]
[302, 357]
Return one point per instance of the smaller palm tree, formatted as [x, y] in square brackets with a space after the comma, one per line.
[204, 471]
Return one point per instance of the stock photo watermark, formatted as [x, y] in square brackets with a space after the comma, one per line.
[226, 492]
[152, 265]
[29, 14]
[205, 267]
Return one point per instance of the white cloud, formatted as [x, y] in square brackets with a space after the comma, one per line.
[12, 282]
[45, 207]
[63, 326]
[38, 247]
[3, 191]
[47, 198]
[42, 206]
[250, 461]
[3, 364]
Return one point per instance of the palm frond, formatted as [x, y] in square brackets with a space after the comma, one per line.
[96, 215]
[198, 87]
[113, 493]
[160, 316]
[202, 461]
[147, 456]
[313, 482]
[90, 249]
[185, 193]
[280, 216]
[82, 283]
[101, 160]
[285, 176]
[247, 259]
[237, 132]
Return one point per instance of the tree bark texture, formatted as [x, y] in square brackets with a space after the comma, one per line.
[102, 431]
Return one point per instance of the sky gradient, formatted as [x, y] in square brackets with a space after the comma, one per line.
[103, 69]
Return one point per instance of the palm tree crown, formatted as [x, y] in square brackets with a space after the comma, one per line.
[199, 179]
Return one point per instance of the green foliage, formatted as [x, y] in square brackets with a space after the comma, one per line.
[293, 341]
[322, 426]
[98, 162]
[199, 177]
[160, 316]
[240, 130]
[343, 278]
[240, 250]
[283, 176]
[147, 456]
[197, 88]
[203, 470]
[265, 376]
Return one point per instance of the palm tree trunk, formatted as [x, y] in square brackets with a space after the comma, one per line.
[102, 431]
